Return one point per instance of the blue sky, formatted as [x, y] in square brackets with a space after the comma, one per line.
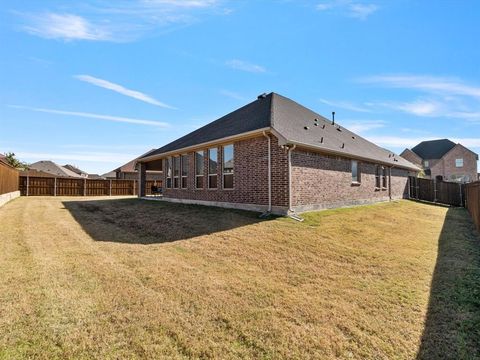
[96, 83]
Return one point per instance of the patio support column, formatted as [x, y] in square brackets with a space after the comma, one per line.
[142, 176]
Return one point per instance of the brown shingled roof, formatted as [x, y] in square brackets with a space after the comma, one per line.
[293, 124]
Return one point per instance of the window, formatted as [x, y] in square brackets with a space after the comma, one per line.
[426, 163]
[228, 167]
[184, 171]
[199, 169]
[212, 168]
[377, 176]
[176, 171]
[169, 172]
[458, 162]
[384, 177]
[355, 172]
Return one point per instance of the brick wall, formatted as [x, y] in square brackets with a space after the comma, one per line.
[412, 157]
[448, 169]
[323, 181]
[250, 176]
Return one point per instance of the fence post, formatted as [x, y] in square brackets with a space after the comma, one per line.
[134, 186]
[55, 187]
[461, 197]
[84, 187]
[434, 190]
[110, 192]
[28, 183]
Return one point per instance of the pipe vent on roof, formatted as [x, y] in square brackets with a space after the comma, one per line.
[343, 146]
[323, 126]
[333, 117]
[339, 128]
[321, 140]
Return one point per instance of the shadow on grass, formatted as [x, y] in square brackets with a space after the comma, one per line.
[452, 328]
[137, 221]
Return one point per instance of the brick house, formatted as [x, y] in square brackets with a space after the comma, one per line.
[276, 155]
[444, 160]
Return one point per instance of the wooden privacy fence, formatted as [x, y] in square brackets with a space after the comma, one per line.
[472, 193]
[450, 193]
[8, 179]
[49, 186]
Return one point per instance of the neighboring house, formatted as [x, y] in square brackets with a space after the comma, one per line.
[129, 172]
[76, 170]
[276, 155]
[112, 175]
[55, 170]
[444, 160]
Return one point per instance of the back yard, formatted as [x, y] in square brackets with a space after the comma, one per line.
[126, 278]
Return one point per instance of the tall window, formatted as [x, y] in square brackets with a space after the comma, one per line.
[426, 163]
[228, 167]
[378, 168]
[199, 169]
[169, 172]
[176, 171]
[184, 171]
[459, 163]
[212, 168]
[384, 177]
[355, 172]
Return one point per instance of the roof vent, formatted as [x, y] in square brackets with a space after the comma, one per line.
[321, 140]
[315, 124]
[262, 96]
[353, 137]
[323, 126]
[339, 129]
[343, 146]
[333, 117]
[306, 127]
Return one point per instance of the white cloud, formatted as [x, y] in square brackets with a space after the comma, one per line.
[233, 95]
[117, 21]
[245, 66]
[345, 105]
[362, 11]
[362, 126]
[104, 157]
[429, 84]
[350, 8]
[122, 90]
[65, 26]
[97, 116]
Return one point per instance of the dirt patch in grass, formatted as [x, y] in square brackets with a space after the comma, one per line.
[125, 278]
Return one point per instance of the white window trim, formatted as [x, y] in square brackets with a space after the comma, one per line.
[169, 165]
[195, 164]
[208, 170]
[173, 172]
[459, 160]
[223, 168]
[182, 156]
[358, 181]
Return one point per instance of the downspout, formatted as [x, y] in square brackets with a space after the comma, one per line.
[269, 172]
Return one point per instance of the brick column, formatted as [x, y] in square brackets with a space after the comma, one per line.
[142, 176]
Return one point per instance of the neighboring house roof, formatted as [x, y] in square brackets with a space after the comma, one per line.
[52, 168]
[130, 166]
[294, 123]
[75, 170]
[35, 173]
[433, 149]
[95, 177]
[3, 160]
[111, 174]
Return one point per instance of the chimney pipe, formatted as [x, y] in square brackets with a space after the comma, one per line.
[333, 117]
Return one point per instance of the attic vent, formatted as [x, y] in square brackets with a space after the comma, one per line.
[306, 127]
[353, 137]
[339, 128]
[343, 146]
[262, 96]
[316, 120]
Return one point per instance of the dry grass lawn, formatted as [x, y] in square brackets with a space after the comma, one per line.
[126, 278]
